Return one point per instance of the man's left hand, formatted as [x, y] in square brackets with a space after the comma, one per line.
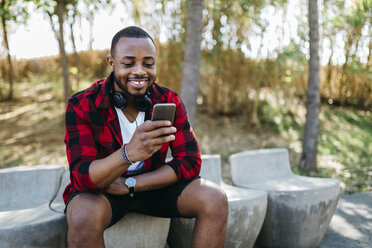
[117, 187]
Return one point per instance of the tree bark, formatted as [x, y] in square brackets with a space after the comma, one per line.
[190, 74]
[329, 70]
[369, 62]
[76, 55]
[309, 147]
[62, 52]
[91, 23]
[10, 68]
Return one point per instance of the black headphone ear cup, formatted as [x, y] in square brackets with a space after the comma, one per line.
[119, 100]
[143, 103]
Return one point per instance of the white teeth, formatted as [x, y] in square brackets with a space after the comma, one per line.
[138, 82]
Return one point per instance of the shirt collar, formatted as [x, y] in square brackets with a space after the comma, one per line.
[103, 98]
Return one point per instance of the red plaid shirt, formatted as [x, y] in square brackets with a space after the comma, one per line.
[93, 132]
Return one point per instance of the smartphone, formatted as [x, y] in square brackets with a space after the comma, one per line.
[163, 111]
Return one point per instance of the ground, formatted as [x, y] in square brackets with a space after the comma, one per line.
[351, 226]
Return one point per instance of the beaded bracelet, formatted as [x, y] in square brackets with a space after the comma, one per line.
[124, 155]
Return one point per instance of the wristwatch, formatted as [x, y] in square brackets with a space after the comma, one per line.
[130, 182]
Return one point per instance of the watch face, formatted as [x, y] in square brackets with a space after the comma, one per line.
[130, 182]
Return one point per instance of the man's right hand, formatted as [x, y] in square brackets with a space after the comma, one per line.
[146, 139]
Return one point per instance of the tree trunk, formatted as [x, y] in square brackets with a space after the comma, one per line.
[253, 119]
[10, 68]
[76, 55]
[62, 52]
[344, 76]
[309, 147]
[91, 23]
[329, 71]
[369, 62]
[191, 62]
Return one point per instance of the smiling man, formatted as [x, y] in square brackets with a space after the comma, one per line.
[117, 155]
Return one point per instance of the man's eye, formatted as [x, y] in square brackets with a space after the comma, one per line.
[128, 64]
[149, 64]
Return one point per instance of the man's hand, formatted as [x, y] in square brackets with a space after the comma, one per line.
[117, 187]
[146, 139]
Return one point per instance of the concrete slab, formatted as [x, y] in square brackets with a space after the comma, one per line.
[32, 227]
[299, 208]
[138, 231]
[28, 186]
[25, 218]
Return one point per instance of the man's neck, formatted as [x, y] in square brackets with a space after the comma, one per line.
[130, 113]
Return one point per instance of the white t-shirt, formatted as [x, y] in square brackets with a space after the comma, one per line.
[127, 130]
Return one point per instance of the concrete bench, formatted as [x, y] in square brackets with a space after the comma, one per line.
[247, 210]
[27, 221]
[299, 208]
[25, 218]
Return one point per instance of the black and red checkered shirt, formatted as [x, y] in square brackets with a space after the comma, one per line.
[93, 132]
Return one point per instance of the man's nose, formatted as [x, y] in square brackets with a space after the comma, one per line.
[138, 70]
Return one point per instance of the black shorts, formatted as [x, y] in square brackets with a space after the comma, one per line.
[160, 202]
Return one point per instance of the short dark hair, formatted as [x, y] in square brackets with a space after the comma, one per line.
[129, 32]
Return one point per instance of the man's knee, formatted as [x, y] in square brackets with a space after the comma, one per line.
[203, 199]
[88, 212]
[214, 203]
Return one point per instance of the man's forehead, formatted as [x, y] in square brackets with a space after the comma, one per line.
[131, 45]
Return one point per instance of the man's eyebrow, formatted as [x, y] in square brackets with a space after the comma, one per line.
[133, 57]
[128, 57]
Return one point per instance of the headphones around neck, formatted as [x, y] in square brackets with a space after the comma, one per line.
[119, 99]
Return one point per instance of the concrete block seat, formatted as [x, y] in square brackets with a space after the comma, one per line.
[299, 208]
[26, 219]
[247, 210]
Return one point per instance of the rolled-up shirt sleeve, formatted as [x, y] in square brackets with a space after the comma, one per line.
[80, 146]
[186, 160]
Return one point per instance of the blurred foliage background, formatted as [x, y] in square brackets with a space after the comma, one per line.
[246, 101]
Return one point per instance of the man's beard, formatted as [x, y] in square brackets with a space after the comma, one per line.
[125, 89]
[118, 83]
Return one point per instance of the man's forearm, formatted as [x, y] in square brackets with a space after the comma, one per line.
[105, 171]
[156, 179]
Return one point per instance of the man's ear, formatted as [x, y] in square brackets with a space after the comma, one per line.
[110, 62]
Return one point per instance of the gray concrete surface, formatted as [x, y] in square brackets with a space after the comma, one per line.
[28, 186]
[351, 226]
[247, 210]
[26, 220]
[299, 208]
[32, 227]
[138, 230]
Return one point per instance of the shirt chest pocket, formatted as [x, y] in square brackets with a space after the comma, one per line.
[105, 145]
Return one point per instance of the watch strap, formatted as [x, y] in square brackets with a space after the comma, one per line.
[131, 191]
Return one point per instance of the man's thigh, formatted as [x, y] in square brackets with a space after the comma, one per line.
[89, 208]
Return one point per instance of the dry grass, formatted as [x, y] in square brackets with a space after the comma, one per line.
[31, 128]
[224, 72]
